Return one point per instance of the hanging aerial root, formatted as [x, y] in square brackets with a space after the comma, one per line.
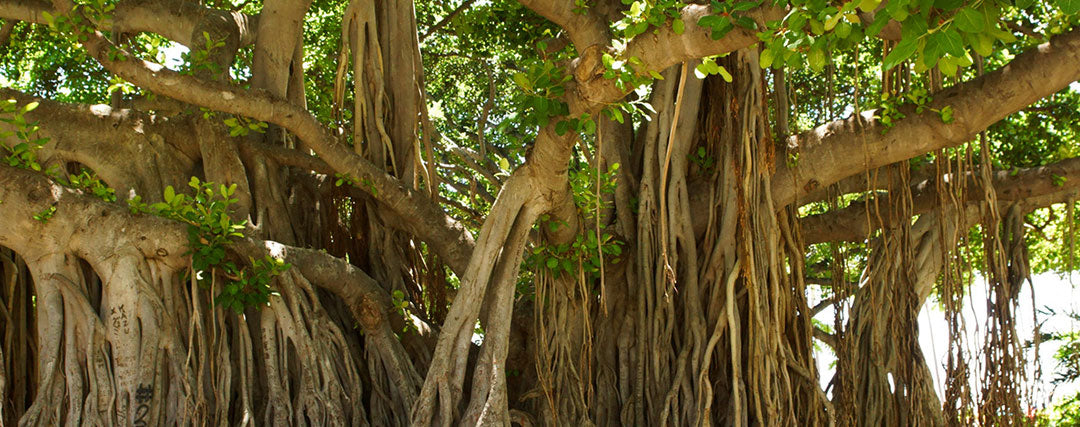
[443, 385]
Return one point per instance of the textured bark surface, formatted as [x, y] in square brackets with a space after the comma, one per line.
[701, 318]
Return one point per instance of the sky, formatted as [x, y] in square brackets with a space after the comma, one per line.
[1051, 291]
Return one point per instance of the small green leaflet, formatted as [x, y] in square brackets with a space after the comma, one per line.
[951, 42]
[947, 114]
[869, 5]
[522, 80]
[816, 58]
[709, 66]
[970, 20]
[948, 66]
[678, 26]
[831, 22]
[1069, 7]
[898, 54]
[724, 74]
[766, 58]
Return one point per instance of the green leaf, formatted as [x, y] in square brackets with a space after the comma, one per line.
[552, 262]
[589, 127]
[869, 5]
[983, 44]
[947, 114]
[948, 66]
[710, 21]
[678, 26]
[170, 194]
[796, 21]
[505, 164]
[655, 75]
[970, 20]
[561, 127]
[701, 71]
[951, 42]
[1003, 35]
[948, 4]
[724, 73]
[616, 115]
[831, 22]
[816, 59]
[567, 265]
[843, 30]
[881, 18]
[746, 22]
[898, 54]
[721, 30]
[765, 60]
[522, 80]
[744, 5]
[1069, 7]
[30, 107]
[913, 27]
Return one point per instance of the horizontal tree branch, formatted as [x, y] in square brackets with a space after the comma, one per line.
[176, 20]
[832, 152]
[450, 240]
[1031, 187]
[97, 135]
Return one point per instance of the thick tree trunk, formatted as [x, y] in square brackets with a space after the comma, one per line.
[703, 319]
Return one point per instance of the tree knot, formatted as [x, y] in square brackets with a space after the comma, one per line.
[589, 65]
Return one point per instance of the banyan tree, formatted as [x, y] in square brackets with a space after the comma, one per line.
[534, 212]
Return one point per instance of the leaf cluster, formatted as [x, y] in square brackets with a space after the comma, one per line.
[209, 231]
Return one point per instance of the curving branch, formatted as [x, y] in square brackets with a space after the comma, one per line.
[94, 135]
[450, 239]
[837, 150]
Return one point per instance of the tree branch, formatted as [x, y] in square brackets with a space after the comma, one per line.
[843, 148]
[1033, 187]
[96, 135]
[446, 20]
[445, 235]
[585, 30]
[176, 20]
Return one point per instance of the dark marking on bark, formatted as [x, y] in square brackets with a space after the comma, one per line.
[120, 318]
[144, 393]
[161, 252]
